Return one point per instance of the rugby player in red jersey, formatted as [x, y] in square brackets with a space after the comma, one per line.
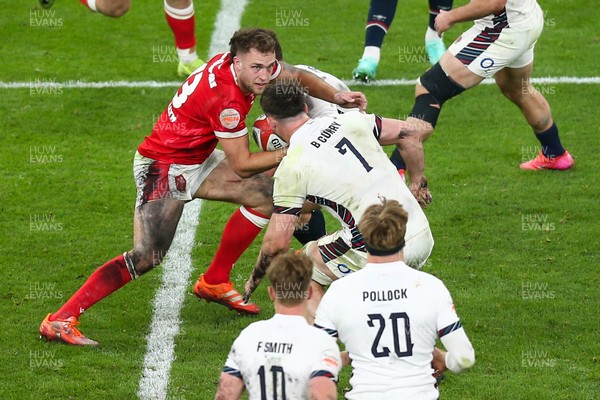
[179, 162]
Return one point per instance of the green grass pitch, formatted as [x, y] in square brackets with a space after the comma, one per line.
[518, 250]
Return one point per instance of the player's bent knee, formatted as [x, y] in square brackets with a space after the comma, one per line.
[440, 85]
[143, 260]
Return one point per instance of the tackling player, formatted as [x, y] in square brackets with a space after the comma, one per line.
[389, 317]
[338, 164]
[179, 162]
[500, 44]
[283, 357]
[180, 17]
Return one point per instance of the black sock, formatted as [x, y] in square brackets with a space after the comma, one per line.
[551, 146]
[381, 15]
[434, 9]
[313, 230]
[397, 160]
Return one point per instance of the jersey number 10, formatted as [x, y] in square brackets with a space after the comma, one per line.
[278, 379]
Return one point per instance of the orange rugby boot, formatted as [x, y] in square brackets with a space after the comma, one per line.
[64, 330]
[224, 294]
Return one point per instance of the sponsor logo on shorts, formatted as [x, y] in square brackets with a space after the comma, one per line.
[486, 63]
[180, 183]
[230, 118]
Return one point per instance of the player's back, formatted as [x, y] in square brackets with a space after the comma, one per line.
[276, 357]
[341, 166]
[388, 324]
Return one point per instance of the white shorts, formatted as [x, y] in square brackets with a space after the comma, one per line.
[341, 259]
[485, 51]
[157, 180]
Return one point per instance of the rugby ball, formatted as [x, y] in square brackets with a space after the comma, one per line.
[264, 136]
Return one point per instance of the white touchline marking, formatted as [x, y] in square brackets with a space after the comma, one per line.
[168, 301]
[40, 83]
[160, 354]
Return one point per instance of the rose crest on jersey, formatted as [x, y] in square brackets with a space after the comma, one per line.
[230, 118]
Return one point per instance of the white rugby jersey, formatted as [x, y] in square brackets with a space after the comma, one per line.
[321, 108]
[277, 357]
[389, 316]
[336, 162]
[517, 14]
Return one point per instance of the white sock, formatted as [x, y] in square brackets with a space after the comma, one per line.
[187, 56]
[431, 34]
[373, 52]
[92, 5]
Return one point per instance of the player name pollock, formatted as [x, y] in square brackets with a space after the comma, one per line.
[274, 347]
[385, 295]
[326, 134]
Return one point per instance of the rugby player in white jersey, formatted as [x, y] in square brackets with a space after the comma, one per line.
[283, 357]
[389, 317]
[500, 44]
[335, 162]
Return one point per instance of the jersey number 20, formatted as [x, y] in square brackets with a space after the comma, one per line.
[401, 335]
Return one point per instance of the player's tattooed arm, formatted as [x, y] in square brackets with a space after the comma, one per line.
[259, 271]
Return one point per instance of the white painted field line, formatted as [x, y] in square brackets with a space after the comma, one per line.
[38, 84]
[154, 382]
[168, 301]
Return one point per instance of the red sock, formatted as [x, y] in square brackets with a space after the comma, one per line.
[182, 24]
[91, 4]
[104, 281]
[240, 231]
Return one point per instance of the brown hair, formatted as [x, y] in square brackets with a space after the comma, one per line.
[290, 276]
[383, 227]
[245, 39]
[283, 99]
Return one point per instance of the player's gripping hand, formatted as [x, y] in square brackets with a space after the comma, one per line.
[439, 362]
[419, 188]
[250, 286]
[351, 100]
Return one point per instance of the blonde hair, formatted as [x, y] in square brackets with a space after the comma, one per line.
[383, 227]
[290, 276]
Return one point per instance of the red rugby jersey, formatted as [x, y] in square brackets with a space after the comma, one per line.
[208, 105]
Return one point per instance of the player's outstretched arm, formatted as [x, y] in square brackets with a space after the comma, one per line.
[246, 164]
[276, 241]
[475, 9]
[409, 137]
[320, 89]
[230, 387]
